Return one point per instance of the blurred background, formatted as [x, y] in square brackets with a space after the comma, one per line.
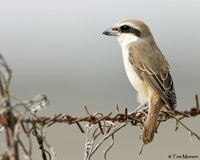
[57, 48]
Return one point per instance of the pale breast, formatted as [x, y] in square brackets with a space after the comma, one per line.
[141, 86]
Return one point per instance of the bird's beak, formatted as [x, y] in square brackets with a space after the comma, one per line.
[111, 32]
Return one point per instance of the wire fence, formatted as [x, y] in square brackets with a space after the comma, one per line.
[17, 116]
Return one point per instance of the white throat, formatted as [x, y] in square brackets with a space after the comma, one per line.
[125, 39]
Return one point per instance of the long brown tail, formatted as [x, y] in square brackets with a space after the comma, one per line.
[155, 105]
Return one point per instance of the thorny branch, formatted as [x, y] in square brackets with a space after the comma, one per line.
[13, 122]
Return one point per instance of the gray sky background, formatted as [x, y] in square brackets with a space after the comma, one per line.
[57, 48]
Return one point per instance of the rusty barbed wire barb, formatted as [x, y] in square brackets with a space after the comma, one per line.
[197, 102]
[119, 117]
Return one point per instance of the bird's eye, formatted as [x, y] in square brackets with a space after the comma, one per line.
[125, 28]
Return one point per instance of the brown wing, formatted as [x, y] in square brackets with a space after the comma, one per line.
[160, 80]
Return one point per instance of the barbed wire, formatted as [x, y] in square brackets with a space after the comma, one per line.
[17, 116]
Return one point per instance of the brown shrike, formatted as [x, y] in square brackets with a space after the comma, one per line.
[147, 70]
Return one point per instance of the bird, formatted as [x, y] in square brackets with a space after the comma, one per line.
[147, 69]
